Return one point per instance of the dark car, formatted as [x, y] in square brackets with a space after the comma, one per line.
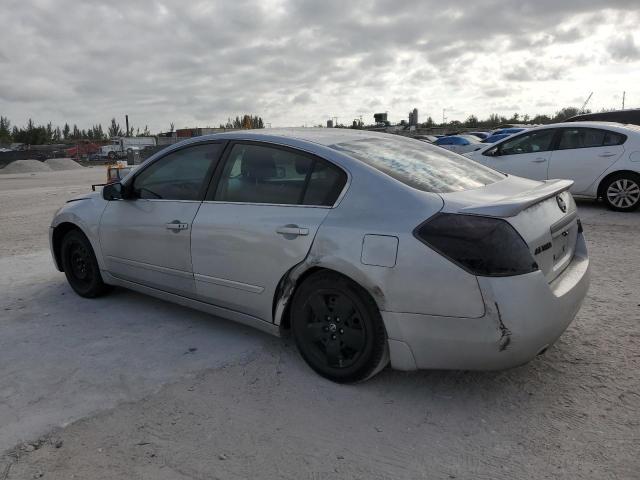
[619, 116]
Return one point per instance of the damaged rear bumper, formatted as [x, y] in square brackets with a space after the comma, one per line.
[524, 315]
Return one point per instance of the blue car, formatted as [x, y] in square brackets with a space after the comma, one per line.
[480, 135]
[459, 143]
[510, 131]
[495, 137]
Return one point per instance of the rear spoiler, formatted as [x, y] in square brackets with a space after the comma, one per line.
[510, 207]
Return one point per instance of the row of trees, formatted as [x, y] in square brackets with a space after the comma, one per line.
[494, 119]
[245, 122]
[33, 134]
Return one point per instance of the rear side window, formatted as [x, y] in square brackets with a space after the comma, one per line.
[537, 141]
[264, 174]
[420, 165]
[613, 138]
[572, 138]
[180, 175]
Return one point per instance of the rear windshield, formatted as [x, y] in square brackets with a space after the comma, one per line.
[421, 166]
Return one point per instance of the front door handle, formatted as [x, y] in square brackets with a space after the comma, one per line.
[292, 230]
[177, 225]
[539, 160]
[607, 154]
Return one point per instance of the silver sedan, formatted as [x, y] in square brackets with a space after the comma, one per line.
[370, 248]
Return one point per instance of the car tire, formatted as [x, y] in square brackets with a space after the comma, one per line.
[621, 192]
[338, 328]
[81, 267]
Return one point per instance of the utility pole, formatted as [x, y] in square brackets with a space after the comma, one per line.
[444, 118]
[624, 94]
[126, 118]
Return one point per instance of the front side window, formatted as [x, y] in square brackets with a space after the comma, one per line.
[179, 175]
[533, 142]
[264, 174]
[419, 165]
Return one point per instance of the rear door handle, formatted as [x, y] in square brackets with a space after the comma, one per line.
[539, 160]
[607, 154]
[177, 225]
[292, 230]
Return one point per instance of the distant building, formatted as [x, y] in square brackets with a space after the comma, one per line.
[413, 117]
[329, 123]
[381, 118]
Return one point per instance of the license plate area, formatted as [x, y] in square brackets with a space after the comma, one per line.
[563, 241]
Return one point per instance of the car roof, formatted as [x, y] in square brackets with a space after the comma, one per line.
[321, 136]
[592, 124]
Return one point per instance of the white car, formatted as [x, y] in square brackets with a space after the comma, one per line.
[602, 159]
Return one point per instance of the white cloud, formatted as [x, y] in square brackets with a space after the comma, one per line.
[296, 62]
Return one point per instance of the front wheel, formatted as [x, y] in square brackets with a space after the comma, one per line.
[622, 192]
[338, 329]
[81, 267]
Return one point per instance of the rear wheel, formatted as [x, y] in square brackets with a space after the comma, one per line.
[338, 328]
[621, 192]
[81, 267]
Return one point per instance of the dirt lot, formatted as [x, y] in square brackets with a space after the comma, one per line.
[130, 387]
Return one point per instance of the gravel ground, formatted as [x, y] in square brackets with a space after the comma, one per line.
[131, 387]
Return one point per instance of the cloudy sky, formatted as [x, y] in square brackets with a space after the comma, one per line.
[297, 62]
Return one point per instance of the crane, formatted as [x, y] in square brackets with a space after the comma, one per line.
[584, 105]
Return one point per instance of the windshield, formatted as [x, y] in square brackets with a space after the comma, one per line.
[420, 165]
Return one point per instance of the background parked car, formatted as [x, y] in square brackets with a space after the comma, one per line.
[426, 138]
[493, 138]
[459, 143]
[631, 116]
[603, 159]
[510, 131]
[480, 135]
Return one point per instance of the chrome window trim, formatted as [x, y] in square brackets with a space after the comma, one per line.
[269, 204]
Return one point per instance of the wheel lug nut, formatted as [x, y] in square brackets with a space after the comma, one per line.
[333, 337]
[341, 331]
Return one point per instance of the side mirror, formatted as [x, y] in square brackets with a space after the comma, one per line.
[492, 152]
[113, 191]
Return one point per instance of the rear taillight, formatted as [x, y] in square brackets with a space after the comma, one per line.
[483, 246]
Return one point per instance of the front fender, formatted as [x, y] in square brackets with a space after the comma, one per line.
[85, 214]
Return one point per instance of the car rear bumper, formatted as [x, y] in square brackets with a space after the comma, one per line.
[524, 315]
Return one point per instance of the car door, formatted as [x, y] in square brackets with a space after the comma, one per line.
[583, 154]
[145, 238]
[258, 221]
[525, 155]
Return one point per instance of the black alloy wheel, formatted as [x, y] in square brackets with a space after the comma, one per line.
[80, 266]
[338, 329]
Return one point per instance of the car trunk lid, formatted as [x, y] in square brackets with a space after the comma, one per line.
[543, 213]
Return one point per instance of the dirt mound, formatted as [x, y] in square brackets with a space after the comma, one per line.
[63, 164]
[25, 166]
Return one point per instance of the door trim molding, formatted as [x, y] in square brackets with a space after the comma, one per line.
[247, 287]
[148, 266]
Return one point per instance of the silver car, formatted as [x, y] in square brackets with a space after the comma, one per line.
[370, 248]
